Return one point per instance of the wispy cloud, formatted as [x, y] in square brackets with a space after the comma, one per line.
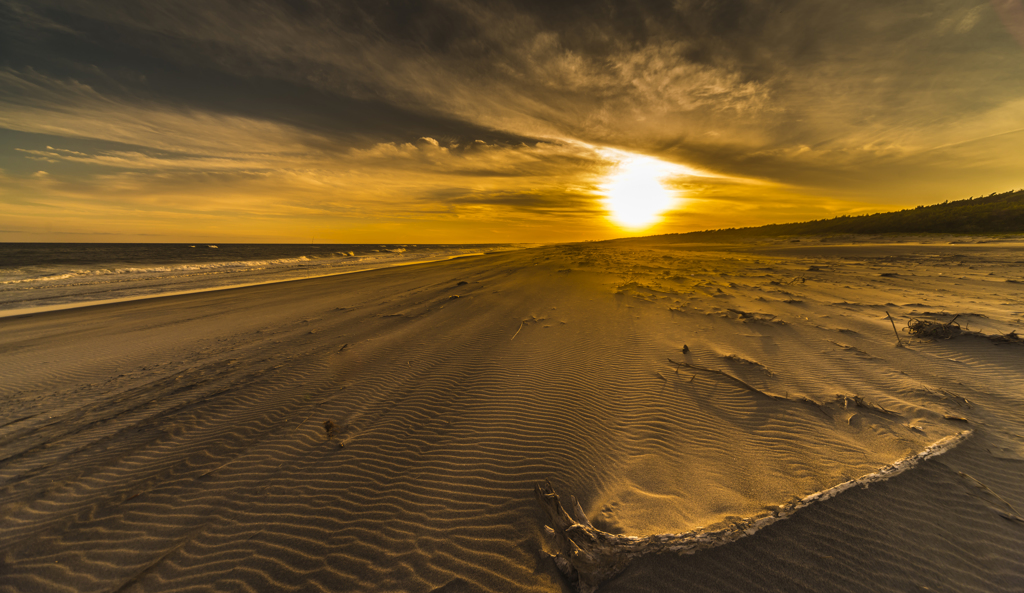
[33, 102]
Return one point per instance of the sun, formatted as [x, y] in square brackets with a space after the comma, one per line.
[634, 195]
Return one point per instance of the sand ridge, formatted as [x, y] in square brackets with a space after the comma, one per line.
[179, 443]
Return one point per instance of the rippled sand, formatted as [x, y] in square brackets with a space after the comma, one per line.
[383, 431]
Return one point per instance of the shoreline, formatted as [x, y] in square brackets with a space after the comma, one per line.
[5, 313]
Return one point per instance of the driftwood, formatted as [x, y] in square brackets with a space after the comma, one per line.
[588, 556]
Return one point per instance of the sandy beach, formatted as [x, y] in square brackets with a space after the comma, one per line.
[384, 430]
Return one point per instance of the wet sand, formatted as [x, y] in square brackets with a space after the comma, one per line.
[383, 431]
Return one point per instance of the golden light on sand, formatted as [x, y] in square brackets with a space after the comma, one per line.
[634, 193]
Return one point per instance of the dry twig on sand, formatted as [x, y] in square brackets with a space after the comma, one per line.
[860, 402]
[742, 384]
[588, 556]
[899, 342]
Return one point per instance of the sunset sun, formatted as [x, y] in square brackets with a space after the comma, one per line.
[635, 196]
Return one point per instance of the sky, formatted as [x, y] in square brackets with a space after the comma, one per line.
[449, 121]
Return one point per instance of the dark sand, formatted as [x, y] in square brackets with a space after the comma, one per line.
[179, 444]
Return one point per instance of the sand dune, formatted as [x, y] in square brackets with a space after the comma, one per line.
[179, 443]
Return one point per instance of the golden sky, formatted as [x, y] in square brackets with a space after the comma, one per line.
[448, 121]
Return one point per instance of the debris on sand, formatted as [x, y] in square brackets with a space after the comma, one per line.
[926, 328]
[751, 316]
[742, 384]
[936, 330]
[1010, 338]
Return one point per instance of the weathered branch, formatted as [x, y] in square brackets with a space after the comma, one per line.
[588, 556]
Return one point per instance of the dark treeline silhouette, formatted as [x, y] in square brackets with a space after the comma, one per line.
[995, 213]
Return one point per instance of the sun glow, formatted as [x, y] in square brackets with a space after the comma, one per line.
[634, 194]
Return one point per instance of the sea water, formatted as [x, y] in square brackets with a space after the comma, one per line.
[41, 276]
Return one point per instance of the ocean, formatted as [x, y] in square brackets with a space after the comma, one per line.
[47, 276]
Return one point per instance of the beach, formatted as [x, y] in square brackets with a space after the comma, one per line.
[384, 430]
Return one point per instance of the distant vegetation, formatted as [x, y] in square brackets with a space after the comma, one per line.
[995, 213]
